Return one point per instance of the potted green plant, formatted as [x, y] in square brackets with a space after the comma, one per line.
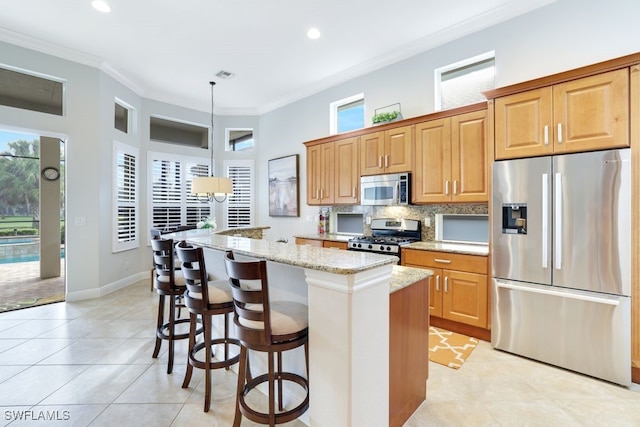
[385, 117]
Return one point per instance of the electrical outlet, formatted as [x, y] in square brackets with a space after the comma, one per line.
[427, 221]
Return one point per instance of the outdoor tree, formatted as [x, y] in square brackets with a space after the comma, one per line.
[20, 177]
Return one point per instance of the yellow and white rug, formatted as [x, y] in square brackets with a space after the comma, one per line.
[449, 348]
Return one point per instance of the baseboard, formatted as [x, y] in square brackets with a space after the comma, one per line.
[461, 328]
[107, 289]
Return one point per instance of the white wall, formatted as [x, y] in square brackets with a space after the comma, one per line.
[558, 37]
[561, 36]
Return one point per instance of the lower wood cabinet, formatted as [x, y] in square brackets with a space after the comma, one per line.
[458, 289]
[321, 243]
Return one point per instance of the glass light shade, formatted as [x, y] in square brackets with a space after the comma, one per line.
[211, 185]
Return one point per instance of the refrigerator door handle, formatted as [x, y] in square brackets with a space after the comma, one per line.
[545, 220]
[558, 222]
[599, 300]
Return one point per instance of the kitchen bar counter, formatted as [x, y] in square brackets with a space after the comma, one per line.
[309, 257]
[456, 248]
[350, 295]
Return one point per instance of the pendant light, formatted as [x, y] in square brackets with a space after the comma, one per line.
[212, 187]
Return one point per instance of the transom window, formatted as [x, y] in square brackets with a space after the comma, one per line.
[463, 82]
[347, 114]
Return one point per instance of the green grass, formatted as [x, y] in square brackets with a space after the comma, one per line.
[16, 221]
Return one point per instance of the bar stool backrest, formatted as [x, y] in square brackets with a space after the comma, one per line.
[194, 272]
[163, 262]
[252, 313]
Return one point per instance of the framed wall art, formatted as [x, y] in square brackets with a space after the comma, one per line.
[283, 186]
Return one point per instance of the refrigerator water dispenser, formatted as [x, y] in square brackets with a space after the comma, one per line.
[514, 218]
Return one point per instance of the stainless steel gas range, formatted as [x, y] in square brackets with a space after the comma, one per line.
[388, 235]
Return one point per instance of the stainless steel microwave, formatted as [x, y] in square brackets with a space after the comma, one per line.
[385, 190]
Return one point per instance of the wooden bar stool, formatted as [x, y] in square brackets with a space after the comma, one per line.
[205, 301]
[171, 287]
[269, 327]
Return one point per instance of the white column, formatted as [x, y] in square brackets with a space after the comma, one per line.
[349, 348]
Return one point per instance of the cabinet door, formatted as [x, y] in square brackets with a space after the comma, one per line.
[524, 124]
[372, 153]
[432, 168]
[435, 292]
[314, 174]
[464, 298]
[327, 174]
[592, 113]
[347, 173]
[397, 152]
[469, 163]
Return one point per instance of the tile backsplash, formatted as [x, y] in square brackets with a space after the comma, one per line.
[419, 212]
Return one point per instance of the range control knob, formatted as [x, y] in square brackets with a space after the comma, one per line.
[370, 247]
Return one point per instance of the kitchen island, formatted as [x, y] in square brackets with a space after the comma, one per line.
[351, 329]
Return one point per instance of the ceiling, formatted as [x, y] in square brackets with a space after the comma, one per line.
[169, 50]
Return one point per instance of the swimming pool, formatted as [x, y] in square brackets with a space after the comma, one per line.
[21, 249]
[16, 240]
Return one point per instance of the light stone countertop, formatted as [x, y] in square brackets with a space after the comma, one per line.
[402, 276]
[323, 259]
[457, 248]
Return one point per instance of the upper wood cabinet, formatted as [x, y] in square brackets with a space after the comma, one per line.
[386, 151]
[320, 176]
[451, 161]
[332, 173]
[586, 114]
[347, 181]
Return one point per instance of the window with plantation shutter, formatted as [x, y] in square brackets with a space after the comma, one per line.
[171, 201]
[126, 205]
[239, 207]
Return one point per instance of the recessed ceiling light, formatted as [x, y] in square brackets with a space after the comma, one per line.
[313, 33]
[101, 6]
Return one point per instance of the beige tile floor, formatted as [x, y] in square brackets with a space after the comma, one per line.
[89, 363]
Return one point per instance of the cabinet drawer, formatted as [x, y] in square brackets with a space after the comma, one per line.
[334, 244]
[310, 242]
[445, 260]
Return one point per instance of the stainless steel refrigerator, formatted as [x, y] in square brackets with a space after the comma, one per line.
[561, 261]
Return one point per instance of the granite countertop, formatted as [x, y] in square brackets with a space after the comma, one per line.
[328, 236]
[456, 248]
[323, 259]
[402, 276]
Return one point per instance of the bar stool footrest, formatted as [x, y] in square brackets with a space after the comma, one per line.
[225, 363]
[280, 417]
